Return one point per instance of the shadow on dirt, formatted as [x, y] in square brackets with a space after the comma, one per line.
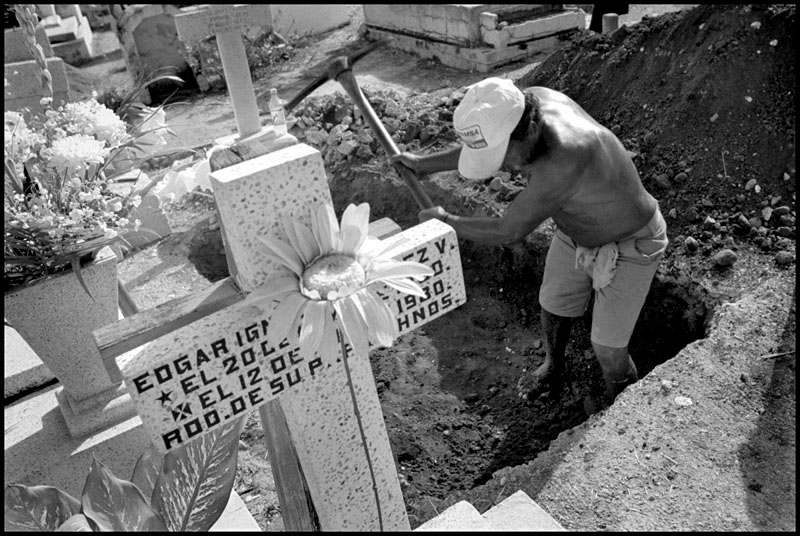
[205, 252]
[767, 460]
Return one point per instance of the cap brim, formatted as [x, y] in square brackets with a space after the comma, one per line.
[479, 164]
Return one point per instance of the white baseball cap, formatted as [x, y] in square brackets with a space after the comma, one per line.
[484, 120]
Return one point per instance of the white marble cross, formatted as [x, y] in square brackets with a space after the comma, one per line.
[221, 366]
[228, 22]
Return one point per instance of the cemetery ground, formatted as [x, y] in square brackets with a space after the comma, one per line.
[704, 100]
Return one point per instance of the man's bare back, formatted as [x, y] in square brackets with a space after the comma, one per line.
[601, 195]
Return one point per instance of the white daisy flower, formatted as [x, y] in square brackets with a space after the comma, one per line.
[327, 284]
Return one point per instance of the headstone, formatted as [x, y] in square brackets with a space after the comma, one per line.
[308, 19]
[150, 44]
[223, 365]
[23, 88]
[16, 44]
[97, 14]
[610, 23]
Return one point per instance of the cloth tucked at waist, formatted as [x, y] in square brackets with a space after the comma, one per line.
[599, 262]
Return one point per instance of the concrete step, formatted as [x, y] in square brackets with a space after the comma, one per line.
[518, 512]
[462, 517]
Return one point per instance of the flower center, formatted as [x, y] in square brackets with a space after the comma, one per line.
[336, 276]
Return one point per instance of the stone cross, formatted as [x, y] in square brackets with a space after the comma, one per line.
[195, 378]
[228, 22]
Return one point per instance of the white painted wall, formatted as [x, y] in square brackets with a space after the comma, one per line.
[308, 19]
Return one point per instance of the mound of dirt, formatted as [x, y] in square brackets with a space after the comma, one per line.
[705, 100]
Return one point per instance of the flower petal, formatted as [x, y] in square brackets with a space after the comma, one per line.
[397, 269]
[275, 289]
[406, 286]
[329, 348]
[375, 250]
[353, 325]
[357, 215]
[389, 245]
[313, 326]
[282, 322]
[382, 325]
[325, 228]
[352, 238]
[301, 239]
[284, 254]
[354, 216]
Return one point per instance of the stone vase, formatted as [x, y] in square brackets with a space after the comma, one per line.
[56, 317]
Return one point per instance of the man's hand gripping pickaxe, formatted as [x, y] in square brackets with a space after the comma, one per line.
[340, 70]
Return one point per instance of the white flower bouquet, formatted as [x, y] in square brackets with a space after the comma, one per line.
[59, 208]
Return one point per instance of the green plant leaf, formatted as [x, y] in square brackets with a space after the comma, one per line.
[76, 523]
[37, 508]
[146, 471]
[196, 480]
[114, 504]
[76, 267]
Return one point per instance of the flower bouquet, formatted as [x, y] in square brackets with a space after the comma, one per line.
[59, 207]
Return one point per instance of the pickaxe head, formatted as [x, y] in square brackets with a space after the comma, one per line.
[336, 68]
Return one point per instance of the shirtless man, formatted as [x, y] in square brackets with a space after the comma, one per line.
[610, 233]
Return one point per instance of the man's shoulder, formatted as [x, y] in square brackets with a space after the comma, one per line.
[544, 92]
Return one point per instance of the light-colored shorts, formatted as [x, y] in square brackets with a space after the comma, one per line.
[566, 290]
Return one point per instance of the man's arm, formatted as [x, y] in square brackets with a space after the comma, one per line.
[547, 191]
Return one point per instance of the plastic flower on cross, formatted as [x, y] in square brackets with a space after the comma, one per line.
[328, 281]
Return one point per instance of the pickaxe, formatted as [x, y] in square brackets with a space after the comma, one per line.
[341, 71]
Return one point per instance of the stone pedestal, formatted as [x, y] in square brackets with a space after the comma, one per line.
[56, 317]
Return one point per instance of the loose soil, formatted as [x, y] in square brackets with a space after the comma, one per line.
[704, 101]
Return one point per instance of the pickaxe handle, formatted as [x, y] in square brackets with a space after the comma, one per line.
[348, 81]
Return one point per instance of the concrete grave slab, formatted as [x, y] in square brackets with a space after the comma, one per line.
[472, 36]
